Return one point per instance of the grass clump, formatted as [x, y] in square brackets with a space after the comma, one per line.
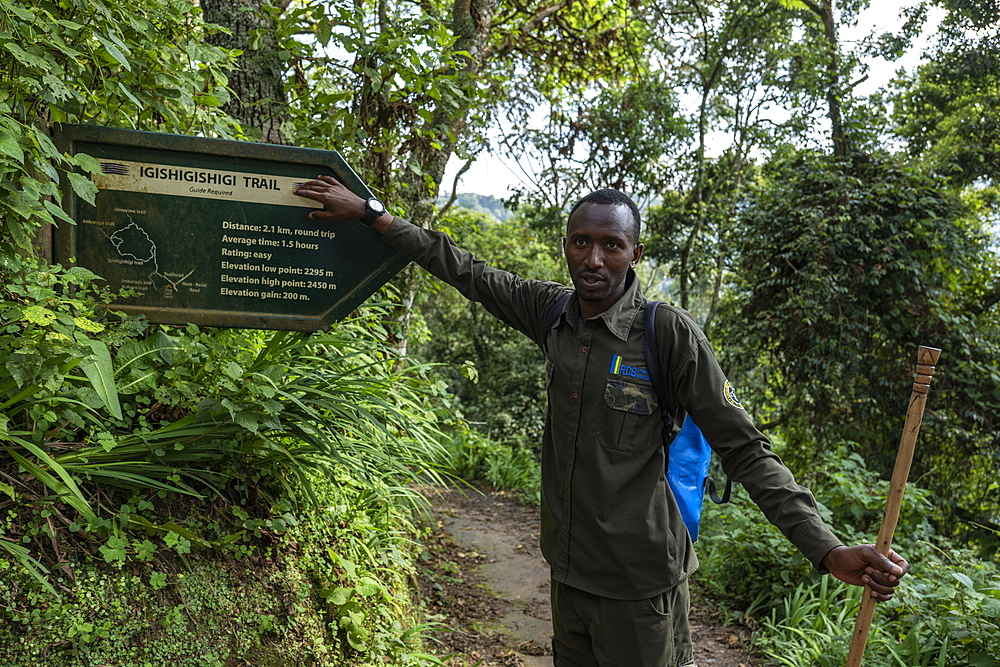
[475, 457]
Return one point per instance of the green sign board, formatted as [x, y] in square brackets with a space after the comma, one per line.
[208, 231]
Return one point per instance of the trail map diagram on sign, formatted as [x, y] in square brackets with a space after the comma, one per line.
[133, 243]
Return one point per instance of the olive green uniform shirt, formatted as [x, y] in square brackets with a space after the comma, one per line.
[610, 525]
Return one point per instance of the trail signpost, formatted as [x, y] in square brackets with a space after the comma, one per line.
[208, 231]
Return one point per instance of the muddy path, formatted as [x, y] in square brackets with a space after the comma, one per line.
[484, 580]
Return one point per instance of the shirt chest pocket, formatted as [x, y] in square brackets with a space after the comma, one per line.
[633, 411]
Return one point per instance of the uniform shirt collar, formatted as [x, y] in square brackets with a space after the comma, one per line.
[619, 317]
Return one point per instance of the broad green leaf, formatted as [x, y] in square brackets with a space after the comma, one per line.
[56, 87]
[8, 146]
[114, 52]
[57, 212]
[50, 152]
[24, 57]
[63, 47]
[357, 637]
[157, 580]
[88, 324]
[21, 12]
[209, 100]
[87, 163]
[106, 440]
[114, 550]
[38, 315]
[340, 596]
[100, 372]
[368, 587]
[983, 660]
[127, 93]
[964, 579]
[83, 187]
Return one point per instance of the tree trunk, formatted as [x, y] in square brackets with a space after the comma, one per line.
[259, 104]
[420, 180]
[825, 11]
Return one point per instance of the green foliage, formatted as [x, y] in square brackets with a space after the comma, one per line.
[845, 269]
[947, 111]
[505, 467]
[138, 64]
[625, 136]
[950, 615]
[947, 607]
[269, 608]
[232, 416]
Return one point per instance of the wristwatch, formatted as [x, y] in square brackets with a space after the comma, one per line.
[374, 209]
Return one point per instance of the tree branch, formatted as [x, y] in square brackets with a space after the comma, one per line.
[454, 187]
[528, 27]
[857, 83]
[990, 301]
[813, 7]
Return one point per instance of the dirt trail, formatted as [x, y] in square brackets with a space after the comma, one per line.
[485, 579]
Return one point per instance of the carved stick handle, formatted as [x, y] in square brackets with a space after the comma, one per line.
[927, 358]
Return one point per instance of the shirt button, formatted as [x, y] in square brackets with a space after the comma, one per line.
[583, 349]
[565, 527]
[576, 395]
[572, 439]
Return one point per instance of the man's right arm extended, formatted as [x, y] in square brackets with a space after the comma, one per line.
[522, 304]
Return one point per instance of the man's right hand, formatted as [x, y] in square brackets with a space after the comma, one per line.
[340, 204]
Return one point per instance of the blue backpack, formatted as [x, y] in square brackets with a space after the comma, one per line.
[688, 454]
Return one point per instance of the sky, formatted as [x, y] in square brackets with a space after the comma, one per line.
[493, 175]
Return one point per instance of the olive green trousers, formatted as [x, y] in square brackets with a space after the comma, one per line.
[592, 631]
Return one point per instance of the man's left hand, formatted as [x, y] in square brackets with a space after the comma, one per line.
[863, 564]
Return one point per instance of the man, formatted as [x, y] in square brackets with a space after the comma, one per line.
[611, 530]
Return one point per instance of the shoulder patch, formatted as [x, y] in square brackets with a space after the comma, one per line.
[731, 396]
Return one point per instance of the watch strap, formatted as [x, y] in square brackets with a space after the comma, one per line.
[373, 211]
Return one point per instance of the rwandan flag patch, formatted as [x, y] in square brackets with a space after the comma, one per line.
[618, 368]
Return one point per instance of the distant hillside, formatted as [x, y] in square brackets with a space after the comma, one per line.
[481, 203]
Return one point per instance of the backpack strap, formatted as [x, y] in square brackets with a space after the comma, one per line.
[553, 315]
[651, 352]
[714, 494]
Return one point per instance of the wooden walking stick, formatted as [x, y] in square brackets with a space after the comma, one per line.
[927, 357]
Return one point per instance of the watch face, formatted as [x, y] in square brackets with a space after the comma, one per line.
[376, 206]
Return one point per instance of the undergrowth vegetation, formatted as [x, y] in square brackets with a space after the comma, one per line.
[335, 588]
[505, 467]
[946, 611]
[145, 460]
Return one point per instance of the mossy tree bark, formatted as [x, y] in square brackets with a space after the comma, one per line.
[259, 101]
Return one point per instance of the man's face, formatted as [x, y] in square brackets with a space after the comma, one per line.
[599, 251]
